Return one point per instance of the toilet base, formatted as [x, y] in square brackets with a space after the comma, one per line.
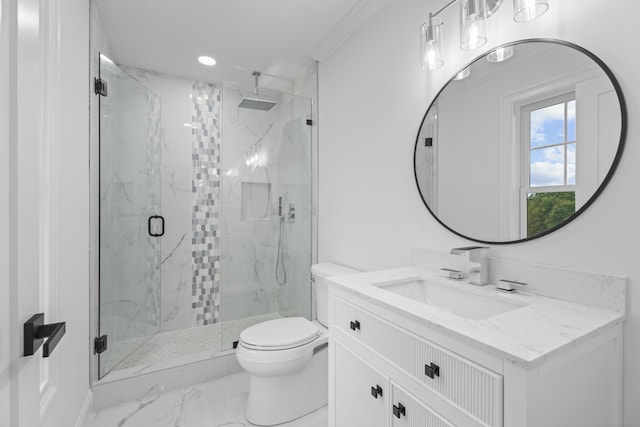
[279, 399]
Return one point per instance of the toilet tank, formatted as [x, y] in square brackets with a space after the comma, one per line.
[320, 273]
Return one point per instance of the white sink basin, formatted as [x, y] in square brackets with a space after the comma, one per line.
[459, 302]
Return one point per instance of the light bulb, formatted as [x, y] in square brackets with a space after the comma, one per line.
[463, 74]
[431, 44]
[500, 54]
[432, 58]
[528, 10]
[472, 17]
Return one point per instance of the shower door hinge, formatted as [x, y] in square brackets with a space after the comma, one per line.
[99, 344]
[309, 122]
[100, 87]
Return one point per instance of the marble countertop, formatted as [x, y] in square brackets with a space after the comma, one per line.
[525, 336]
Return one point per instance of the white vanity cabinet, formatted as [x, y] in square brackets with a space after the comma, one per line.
[429, 378]
[364, 394]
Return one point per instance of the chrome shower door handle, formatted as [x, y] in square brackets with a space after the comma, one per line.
[156, 226]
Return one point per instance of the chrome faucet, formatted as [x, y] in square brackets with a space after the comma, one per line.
[476, 263]
[505, 285]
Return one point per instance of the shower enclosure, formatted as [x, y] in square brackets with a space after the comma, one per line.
[237, 248]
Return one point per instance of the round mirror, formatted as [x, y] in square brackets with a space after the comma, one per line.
[520, 142]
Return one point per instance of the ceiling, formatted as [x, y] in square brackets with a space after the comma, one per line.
[277, 37]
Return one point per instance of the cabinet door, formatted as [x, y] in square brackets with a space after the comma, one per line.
[407, 411]
[362, 393]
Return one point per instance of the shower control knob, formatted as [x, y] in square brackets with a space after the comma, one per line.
[355, 325]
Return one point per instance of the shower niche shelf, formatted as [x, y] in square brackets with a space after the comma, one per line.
[255, 201]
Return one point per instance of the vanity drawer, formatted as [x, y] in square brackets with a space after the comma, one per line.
[465, 384]
[408, 411]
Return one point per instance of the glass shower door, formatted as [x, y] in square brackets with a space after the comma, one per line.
[266, 205]
[129, 200]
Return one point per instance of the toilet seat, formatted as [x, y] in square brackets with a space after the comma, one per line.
[279, 334]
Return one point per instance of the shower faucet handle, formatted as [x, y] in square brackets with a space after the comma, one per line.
[292, 213]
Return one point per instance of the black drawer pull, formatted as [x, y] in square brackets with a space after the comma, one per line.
[376, 391]
[399, 410]
[432, 370]
[354, 325]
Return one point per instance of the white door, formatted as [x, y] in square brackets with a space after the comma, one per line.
[43, 207]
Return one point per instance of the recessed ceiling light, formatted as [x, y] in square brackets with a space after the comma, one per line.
[207, 60]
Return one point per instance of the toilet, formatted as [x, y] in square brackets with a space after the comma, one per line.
[287, 359]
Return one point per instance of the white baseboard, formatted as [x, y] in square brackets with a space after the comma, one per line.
[87, 406]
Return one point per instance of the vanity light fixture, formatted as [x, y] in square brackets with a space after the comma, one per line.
[472, 29]
[463, 74]
[500, 54]
[207, 60]
[431, 43]
[528, 10]
[473, 14]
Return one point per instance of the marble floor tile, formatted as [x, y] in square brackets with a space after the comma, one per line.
[219, 403]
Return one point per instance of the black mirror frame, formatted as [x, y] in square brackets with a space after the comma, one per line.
[603, 184]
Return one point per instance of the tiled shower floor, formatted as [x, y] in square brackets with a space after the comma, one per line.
[165, 346]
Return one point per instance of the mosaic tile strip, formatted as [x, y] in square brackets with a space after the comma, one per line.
[205, 219]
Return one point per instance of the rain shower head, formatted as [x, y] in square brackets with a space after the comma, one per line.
[256, 103]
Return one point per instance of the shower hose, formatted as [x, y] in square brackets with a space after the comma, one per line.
[281, 272]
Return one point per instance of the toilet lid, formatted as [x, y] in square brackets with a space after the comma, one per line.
[288, 332]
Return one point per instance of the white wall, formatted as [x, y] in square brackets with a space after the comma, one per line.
[373, 95]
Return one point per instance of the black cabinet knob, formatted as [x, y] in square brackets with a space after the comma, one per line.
[432, 370]
[399, 410]
[376, 391]
[354, 325]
